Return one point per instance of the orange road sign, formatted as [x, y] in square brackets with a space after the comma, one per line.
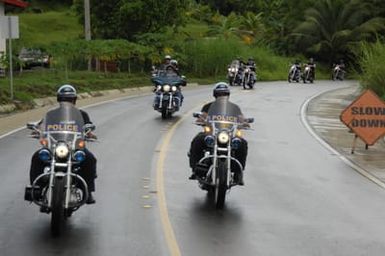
[365, 116]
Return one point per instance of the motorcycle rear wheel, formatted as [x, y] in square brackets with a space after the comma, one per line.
[57, 216]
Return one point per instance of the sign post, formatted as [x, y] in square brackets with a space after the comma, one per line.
[10, 30]
[366, 117]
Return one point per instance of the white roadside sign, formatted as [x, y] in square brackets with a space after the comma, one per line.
[9, 27]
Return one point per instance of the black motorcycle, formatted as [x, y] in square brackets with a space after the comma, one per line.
[294, 73]
[168, 95]
[60, 190]
[249, 77]
[338, 73]
[308, 74]
[232, 71]
[218, 168]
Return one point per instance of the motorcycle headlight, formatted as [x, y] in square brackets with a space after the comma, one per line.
[223, 137]
[173, 88]
[166, 88]
[62, 150]
[247, 70]
[44, 155]
[209, 140]
[158, 88]
[79, 156]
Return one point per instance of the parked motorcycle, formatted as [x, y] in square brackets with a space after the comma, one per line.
[60, 190]
[308, 74]
[223, 128]
[249, 77]
[168, 96]
[294, 73]
[338, 73]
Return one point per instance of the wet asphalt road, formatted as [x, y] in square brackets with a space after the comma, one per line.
[299, 199]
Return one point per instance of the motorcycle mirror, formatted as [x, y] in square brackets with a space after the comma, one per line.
[197, 114]
[89, 127]
[32, 126]
[249, 120]
[183, 77]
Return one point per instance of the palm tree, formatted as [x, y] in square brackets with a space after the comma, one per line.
[224, 26]
[251, 27]
[332, 27]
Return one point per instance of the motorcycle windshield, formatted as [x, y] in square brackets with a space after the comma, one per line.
[64, 123]
[167, 77]
[224, 114]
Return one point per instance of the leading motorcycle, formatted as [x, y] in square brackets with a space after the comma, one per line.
[294, 73]
[232, 71]
[338, 73]
[60, 190]
[218, 168]
[249, 77]
[308, 74]
[168, 95]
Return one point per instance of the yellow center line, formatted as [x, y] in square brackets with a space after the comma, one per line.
[166, 223]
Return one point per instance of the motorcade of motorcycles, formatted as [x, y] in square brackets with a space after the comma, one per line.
[249, 77]
[167, 92]
[232, 71]
[294, 73]
[308, 74]
[338, 73]
[223, 129]
[60, 190]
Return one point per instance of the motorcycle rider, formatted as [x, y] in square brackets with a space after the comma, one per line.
[251, 64]
[312, 65]
[67, 93]
[198, 145]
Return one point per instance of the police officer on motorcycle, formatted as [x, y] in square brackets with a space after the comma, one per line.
[312, 65]
[67, 93]
[198, 145]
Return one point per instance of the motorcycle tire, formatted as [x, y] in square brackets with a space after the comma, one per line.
[58, 215]
[221, 185]
[164, 113]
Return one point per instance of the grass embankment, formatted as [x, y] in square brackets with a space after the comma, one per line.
[372, 59]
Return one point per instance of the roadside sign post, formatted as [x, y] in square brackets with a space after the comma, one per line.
[365, 117]
[10, 30]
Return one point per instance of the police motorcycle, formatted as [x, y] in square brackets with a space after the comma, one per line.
[294, 73]
[218, 168]
[232, 71]
[167, 91]
[249, 77]
[308, 74]
[60, 190]
[338, 73]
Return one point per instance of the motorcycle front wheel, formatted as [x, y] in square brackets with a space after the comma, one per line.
[57, 216]
[221, 184]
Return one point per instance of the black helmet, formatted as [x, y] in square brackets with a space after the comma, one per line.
[221, 89]
[66, 93]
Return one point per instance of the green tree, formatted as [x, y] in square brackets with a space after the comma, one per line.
[112, 19]
[332, 27]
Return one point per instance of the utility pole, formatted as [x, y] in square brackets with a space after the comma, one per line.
[87, 26]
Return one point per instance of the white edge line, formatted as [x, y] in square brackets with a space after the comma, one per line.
[347, 161]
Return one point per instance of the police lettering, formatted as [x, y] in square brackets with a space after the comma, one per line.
[62, 127]
[224, 118]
